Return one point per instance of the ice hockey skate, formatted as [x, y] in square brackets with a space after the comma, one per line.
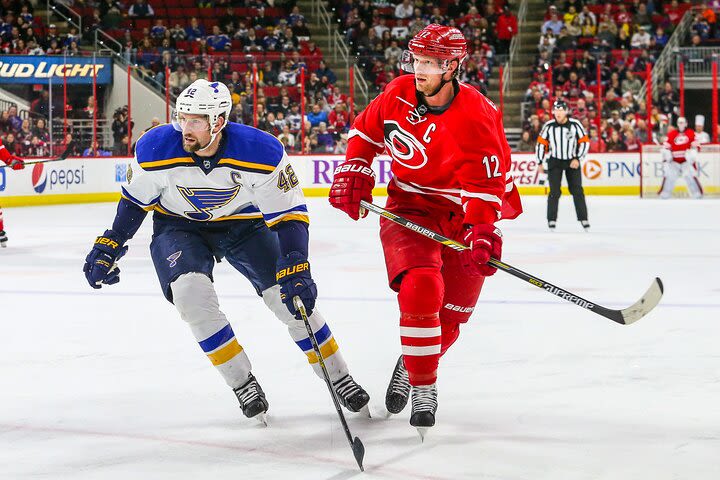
[3, 239]
[398, 391]
[252, 400]
[424, 406]
[551, 225]
[585, 224]
[351, 395]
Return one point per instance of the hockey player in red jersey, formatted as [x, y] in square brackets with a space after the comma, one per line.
[15, 163]
[679, 154]
[451, 173]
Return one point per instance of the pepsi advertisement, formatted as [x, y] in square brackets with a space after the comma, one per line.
[70, 181]
[33, 69]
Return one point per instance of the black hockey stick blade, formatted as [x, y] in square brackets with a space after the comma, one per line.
[359, 451]
[624, 317]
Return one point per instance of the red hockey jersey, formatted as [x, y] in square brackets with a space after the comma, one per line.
[458, 158]
[5, 155]
[679, 142]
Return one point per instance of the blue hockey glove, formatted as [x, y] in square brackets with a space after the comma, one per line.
[101, 263]
[293, 276]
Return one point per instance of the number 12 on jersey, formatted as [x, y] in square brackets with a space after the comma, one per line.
[492, 166]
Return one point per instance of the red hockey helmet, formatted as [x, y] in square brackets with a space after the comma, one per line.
[436, 41]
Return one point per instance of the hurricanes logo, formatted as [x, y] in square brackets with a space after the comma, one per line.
[203, 200]
[405, 149]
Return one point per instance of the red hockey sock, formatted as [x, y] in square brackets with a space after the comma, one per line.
[420, 298]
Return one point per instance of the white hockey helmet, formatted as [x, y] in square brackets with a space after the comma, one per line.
[205, 98]
[682, 123]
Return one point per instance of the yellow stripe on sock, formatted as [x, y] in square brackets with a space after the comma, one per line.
[327, 349]
[218, 357]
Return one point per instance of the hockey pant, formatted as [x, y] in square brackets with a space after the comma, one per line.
[184, 260]
[675, 170]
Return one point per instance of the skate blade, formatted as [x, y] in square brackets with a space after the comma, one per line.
[365, 411]
[262, 419]
[422, 431]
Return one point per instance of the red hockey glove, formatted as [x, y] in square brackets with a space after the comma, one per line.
[353, 181]
[16, 163]
[485, 241]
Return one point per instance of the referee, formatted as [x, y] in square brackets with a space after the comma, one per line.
[565, 143]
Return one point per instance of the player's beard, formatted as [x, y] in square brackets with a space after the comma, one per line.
[193, 147]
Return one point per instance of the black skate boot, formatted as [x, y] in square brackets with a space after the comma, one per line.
[351, 395]
[424, 406]
[398, 391]
[551, 225]
[3, 239]
[252, 400]
[585, 224]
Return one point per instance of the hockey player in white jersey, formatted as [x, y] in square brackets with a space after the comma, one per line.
[222, 190]
[679, 154]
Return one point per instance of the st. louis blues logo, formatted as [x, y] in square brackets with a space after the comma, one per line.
[203, 200]
[174, 258]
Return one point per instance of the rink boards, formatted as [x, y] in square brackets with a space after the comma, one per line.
[82, 180]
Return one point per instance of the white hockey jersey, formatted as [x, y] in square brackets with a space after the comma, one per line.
[250, 178]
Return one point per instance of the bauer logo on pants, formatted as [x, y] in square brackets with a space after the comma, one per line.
[39, 178]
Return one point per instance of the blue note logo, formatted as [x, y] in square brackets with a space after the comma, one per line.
[203, 200]
[174, 258]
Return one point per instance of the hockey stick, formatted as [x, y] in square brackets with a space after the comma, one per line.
[357, 446]
[63, 156]
[625, 316]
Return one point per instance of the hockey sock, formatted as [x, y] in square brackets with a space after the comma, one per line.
[2, 224]
[337, 368]
[420, 298]
[196, 301]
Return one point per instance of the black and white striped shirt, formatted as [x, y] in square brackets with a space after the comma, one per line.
[564, 141]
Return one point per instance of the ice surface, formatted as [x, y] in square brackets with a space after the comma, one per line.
[110, 384]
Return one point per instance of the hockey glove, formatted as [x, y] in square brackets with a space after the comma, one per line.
[101, 263]
[485, 241]
[293, 276]
[353, 181]
[16, 163]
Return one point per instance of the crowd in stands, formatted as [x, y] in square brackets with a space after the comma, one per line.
[621, 40]
[218, 40]
[378, 32]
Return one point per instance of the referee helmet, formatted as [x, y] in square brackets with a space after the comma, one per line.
[560, 104]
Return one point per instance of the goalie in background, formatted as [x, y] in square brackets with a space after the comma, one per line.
[679, 154]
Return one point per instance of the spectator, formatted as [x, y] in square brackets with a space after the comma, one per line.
[179, 79]
[631, 84]
[158, 30]
[526, 144]
[554, 24]
[40, 130]
[12, 145]
[615, 142]
[341, 145]
[98, 151]
[597, 144]
[325, 139]
[287, 139]
[14, 120]
[316, 116]
[668, 100]
[506, 29]
[338, 118]
[218, 41]
[194, 31]
[404, 10]
[641, 39]
[141, 9]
